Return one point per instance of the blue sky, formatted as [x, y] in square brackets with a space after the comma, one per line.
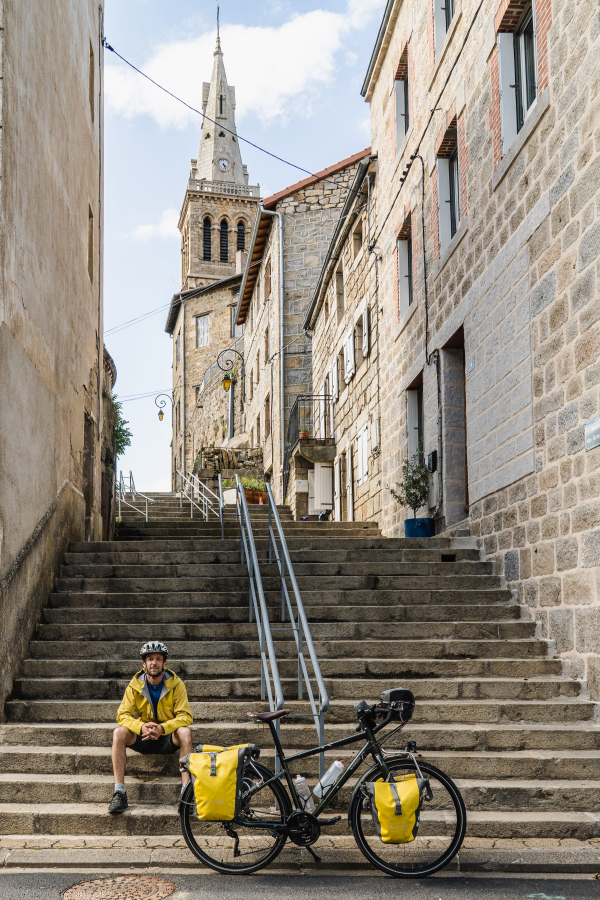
[297, 67]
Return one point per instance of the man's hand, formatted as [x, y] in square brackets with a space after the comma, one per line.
[151, 731]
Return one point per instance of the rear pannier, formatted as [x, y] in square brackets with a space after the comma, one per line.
[396, 808]
[217, 777]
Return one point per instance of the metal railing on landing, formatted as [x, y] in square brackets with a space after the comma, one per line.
[124, 488]
[270, 683]
[311, 415]
[278, 551]
[201, 497]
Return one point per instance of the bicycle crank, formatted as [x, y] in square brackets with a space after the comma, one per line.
[304, 829]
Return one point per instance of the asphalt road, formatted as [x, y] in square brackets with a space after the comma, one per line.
[49, 886]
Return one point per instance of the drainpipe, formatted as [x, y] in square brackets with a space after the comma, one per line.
[183, 387]
[269, 212]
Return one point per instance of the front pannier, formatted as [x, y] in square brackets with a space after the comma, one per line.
[396, 808]
[217, 777]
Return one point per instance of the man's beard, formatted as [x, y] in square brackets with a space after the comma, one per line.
[154, 675]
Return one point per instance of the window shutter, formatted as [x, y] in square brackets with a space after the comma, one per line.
[349, 364]
[508, 100]
[349, 484]
[365, 330]
[268, 280]
[322, 411]
[363, 457]
[335, 382]
[337, 489]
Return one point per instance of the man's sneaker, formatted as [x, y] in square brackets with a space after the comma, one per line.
[119, 803]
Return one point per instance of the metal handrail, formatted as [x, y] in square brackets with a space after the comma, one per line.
[299, 625]
[190, 484]
[221, 507]
[269, 685]
[123, 490]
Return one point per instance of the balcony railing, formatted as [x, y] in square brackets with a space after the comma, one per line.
[310, 415]
[224, 187]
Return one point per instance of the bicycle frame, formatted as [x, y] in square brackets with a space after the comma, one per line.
[371, 747]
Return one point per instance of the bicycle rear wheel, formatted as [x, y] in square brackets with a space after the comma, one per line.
[234, 848]
[441, 830]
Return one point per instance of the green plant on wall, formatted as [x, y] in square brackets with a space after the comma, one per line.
[413, 490]
[123, 434]
[249, 481]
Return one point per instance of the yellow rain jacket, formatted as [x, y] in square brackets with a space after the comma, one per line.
[173, 710]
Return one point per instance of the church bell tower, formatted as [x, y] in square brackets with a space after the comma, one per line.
[220, 206]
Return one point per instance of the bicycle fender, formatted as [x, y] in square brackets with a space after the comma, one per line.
[368, 776]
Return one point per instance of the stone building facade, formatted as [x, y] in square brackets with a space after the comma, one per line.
[51, 348]
[277, 350]
[486, 125]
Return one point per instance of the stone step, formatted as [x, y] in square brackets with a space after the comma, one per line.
[93, 819]
[397, 669]
[448, 737]
[322, 543]
[233, 568]
[246, 631]
[338, 852]
[111, 599]
[464, 558]
[479, 794]
[581, 765]
[465, 712]
[144, 582]
[315, 614]
[236, 688]
[386, 649]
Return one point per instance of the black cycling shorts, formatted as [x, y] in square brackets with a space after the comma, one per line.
[163, 744]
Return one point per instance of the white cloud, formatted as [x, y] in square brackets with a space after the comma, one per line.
[277, 72]
[166, 228]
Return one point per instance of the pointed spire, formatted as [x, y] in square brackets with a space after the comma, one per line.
[218, 46]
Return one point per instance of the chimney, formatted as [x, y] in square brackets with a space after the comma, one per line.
[240, 261]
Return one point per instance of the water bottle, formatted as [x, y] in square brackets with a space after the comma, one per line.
[331, 775]
[304, 793]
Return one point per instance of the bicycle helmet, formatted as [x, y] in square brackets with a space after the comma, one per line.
[154, 647]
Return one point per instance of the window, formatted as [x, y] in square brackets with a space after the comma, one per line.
[224, 241]
[339, 291]
[178, 417]
[267, 293]
[525, 87]
[517, 70]
[443, 13]
[358, 238]
[349, 361]
[221, 104]
[267, 416]
[251, 385]
[365, 330]
[258, 430]
[267, 352]
[454, 187]
[362, 461]
[405, 273]
[206, 235]
[414, 422]
[252, 437]
[92, 75]
[202, 331]
[448, 175]
[235, 330]
[178, 349]
[90, 245]
[241, 236]
[257, 366]
[401, 96]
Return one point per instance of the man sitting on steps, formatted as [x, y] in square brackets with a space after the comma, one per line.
[153, 717]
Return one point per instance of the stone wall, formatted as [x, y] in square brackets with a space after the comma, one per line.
[51, 350]
[514, 294]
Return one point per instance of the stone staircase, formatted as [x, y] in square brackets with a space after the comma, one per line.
[495, 709]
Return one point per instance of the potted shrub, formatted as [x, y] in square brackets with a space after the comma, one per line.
[304, 435]
[412, 492]
[254, 488]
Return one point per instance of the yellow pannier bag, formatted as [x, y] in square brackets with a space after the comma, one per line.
[396, 808]
[217, 777]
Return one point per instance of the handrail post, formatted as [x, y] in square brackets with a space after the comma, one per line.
[270, 533]
[299, 658]
[146, 509]
[282, 588]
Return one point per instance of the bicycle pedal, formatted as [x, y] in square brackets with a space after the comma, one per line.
[329, 821]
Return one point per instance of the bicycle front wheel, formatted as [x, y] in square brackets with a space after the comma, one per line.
[441, 831]
[236, 848]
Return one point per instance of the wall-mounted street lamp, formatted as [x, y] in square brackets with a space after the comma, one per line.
[227, 362]
[162, 403]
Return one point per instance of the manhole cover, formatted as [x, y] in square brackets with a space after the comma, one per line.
[122, 887]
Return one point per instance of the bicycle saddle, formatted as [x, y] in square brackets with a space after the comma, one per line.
[269, 716]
